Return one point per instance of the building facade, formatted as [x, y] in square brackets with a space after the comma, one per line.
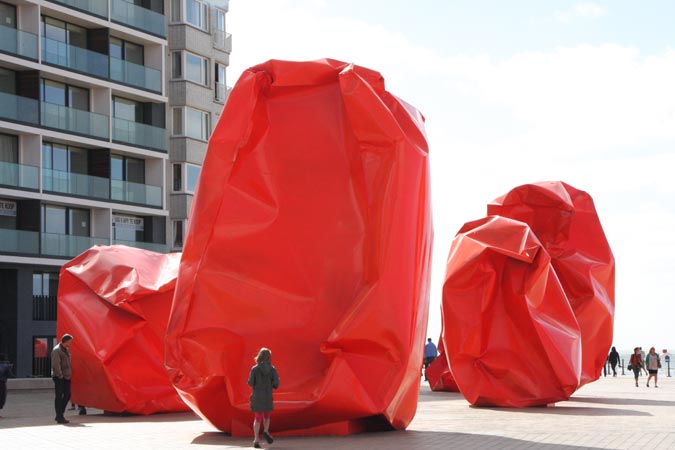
[87, 145]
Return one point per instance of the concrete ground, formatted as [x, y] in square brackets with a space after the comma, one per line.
[609, 414]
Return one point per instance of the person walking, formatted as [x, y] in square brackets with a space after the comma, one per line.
[642, 354]
[262, 379]
[653, 364]
[61, 372]
[614, 359]
[636, 363]
[5, 373]
[430, 353]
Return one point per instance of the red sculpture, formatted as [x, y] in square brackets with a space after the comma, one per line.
[566, 223]
[310, 234]
[438, 373]
[509, 330]
[116, 301]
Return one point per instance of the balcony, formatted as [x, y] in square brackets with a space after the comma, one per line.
[95, 7]
[19, 43]
[158, 248]
[75, 184]
[68, 246]
[135, 75]
[139, 134]
[222, 91]
[222, 41]
[79, 59]
[73, 120]
[19, 242]
[19, 109]
[20, 176]
[138, 17]
[142, 194]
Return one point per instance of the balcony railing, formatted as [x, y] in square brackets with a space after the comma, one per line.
[75, 184]
[20, 176]
[139, 134]
[95, 7]
[135, 75]
[138, 17]
[18, 42]
[222, 41]
[44, 307]
[222, 91]
[142, 194]
[19, 109]
[75, 58]
[74, 120]
[66, 245]
[19, 242]
[159, 248]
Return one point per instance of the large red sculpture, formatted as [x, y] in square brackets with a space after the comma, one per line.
[509, 330]
[116, 301]
[565, 222]
[310, 234]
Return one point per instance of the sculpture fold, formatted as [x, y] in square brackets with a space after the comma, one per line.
[310, 233]
[116, 301]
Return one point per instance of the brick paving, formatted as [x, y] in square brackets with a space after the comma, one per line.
[608, 414]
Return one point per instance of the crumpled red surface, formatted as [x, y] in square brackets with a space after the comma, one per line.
[438, 373]
[116, 301]
[565, 221]
[310, 234]
[508, 329]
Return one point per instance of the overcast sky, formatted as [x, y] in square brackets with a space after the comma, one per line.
[517, 92]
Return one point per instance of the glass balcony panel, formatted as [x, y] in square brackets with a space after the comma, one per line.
[222, 41]
[139, 134]
[75, 58]
[74, 120]
[75, 184]
[159, 248]
[18, 42]
[19, 175]
[69, 246]
[138, 17]
[19, 109]
[96, 7]
[135, 75]
[142, 194]
[19, 242]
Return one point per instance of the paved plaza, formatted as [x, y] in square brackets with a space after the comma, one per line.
[609, 414]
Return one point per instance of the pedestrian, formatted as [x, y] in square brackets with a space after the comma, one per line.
[263, 378]
[635, 363]
[653, 364]
[61, 372]
[642, 354]
[5, 373]
[614, 359]
[430, 353]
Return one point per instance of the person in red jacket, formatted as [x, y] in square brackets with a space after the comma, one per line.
[636, 363]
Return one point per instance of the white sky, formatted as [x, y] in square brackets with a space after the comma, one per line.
[564, 92]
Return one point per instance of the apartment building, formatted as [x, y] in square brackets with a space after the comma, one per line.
[88, 139]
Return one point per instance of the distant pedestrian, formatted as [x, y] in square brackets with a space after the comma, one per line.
[61, 372]
[614, 359]
[642, 354]
[263, 378]
[5, 373]
[636, 363]
[430, 353]
[653, 364]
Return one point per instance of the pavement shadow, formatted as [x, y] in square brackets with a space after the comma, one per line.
[390, 440]
[623, 401]
[82, 421]
[571, 411]
[439, 396]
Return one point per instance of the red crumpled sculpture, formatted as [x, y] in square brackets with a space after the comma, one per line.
[509, 330]
[566, 223]
[310, 234]
[116, 301]
[438, 373]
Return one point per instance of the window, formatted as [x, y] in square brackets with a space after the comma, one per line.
[221, 89]
[9, 148]
[63, 94]
[177, 122]
[128, 228]
[220, 20]
[7, 15]
[192, 123]
[176, 65]
[192, 177]
[175, 10]
[64, 158]
[45, 284]
[127, 109]
[126, 168]
[196, 13]
[177, 233]
[7, 81]
[196, 68]
[62, 220]
[127, 51]
[177, 177]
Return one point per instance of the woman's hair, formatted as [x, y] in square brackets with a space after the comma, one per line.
[636, 349]
[650, 350]
[264, 355]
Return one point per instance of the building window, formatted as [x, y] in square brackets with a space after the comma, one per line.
[176, 65]
[126, 168]
[177, 177]
[175, 10]
[65, 221]
[126, 109]
[196, 13]
[178, 229]
[196, 68]
[128, 228]
[220, 20]
[177, 122]
[9, 149]
[45, 288]
[64, 158]
[191, 123]
[8, 15]
[221, 88]
[192, 176]
[127, 51]
[63, 94]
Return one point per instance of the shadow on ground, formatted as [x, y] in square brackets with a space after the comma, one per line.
[623, 401]
[571, 411]
[385, 441]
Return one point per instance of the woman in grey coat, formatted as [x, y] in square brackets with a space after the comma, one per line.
[263, 379]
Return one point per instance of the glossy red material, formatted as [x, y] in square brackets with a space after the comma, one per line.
[509, 330]
[438, 373]
[116, 301]
[565, 222]
[310, 234]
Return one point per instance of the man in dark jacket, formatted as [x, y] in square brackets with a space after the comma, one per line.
[5, 373]
[61, 372]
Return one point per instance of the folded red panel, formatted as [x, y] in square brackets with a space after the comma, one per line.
[508, 328]
[116, 301]
[310, 234]
[438, 373]
[566, 223]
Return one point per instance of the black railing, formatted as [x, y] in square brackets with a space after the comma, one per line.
[44, 307]
[42, 367]
[607, 370]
